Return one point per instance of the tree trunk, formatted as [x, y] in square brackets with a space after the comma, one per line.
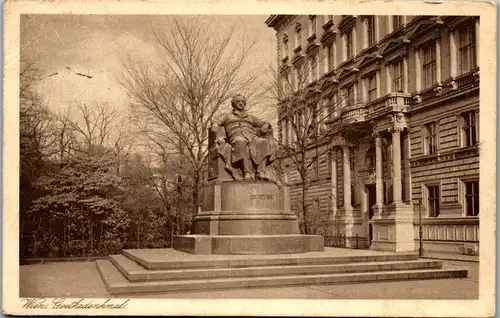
[305, 188]
[196, 198]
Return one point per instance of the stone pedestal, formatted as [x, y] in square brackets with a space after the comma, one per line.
[246, 217]
[394, 230]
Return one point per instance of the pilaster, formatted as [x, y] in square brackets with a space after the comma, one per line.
[379, 184]
[453, 54]
[438, 61]
[396, 165]
[418, 71]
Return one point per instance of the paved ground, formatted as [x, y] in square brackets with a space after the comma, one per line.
[81, 279]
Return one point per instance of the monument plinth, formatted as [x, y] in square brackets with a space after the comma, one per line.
[245, 207]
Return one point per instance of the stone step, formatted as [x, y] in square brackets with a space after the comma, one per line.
[171, 259]
[116, 283]
[135, 272]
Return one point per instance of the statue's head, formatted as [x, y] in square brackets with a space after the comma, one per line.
[239, 102]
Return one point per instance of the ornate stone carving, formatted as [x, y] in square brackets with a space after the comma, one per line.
[398, 121]
[438, 90]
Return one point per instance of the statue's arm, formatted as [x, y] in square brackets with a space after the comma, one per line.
[260, 123]
[215, 129]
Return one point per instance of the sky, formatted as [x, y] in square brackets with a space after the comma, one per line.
[94, 44]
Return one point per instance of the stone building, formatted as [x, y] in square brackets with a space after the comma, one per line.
[404, 96]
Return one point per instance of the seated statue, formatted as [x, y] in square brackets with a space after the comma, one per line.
[245, 143]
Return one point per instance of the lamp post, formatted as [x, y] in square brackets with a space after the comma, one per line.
[420, 246]
[179, 193]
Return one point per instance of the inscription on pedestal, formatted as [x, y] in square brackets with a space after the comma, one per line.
[261, 196]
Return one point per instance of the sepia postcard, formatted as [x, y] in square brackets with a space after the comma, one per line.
[254, 158]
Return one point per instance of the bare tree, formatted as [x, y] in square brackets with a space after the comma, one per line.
[199, 70]
[95, 124]
[305, 109]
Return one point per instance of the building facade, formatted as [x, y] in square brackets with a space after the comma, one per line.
[404, 96]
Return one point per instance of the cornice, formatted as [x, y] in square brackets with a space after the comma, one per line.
[346, 22]
[278, 22]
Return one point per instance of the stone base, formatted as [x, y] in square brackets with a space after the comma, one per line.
[394, 231]
[245, 208]
[255, 244]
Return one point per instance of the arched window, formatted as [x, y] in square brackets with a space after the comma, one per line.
[369, 162]
[298, 34]
[285, 45]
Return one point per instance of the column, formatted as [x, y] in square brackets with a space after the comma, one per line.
[365, 33]
[478, 35]
[407, 167]
[379, 183]
[377, 34]
[344, 48]
[418, 72]
[388, 78]
[453, 54]
[346, 164]
[334, 54]
[406, 78]
[390, 25]
[377, 81]
[354, 40]
[333, 186]
[438, 61]
[364, 90]
[355, 92]
[396, 164]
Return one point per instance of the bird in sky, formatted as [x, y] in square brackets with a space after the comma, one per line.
[84, 75]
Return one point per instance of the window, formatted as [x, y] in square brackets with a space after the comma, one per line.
[313, 68]
[312, 20]
[429, 65]
[298, 35]
[330, 56]
[397, 76]
[349, 93]
[433, 200]
[324, 114]
[315, 168]
[348, 44]
[370, 24]
[467, 48]
[286, 132]
[431, 140]
[295, 78]
[469, 129]
[291, 132]
[397, 22]
[371, 84]
[333, 106]
[285, 46]
[472, 198]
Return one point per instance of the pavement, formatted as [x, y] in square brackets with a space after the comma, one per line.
[81, 279]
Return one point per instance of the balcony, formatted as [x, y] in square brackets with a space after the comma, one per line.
[450, 88]
[356, 113]
[392, 102]
[467, 80]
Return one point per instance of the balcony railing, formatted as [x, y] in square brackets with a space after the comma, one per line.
[452, 85]
[467, 79]
[389, 102]
[354, 113]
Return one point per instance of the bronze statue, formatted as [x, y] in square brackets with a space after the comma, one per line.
[245, 143]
